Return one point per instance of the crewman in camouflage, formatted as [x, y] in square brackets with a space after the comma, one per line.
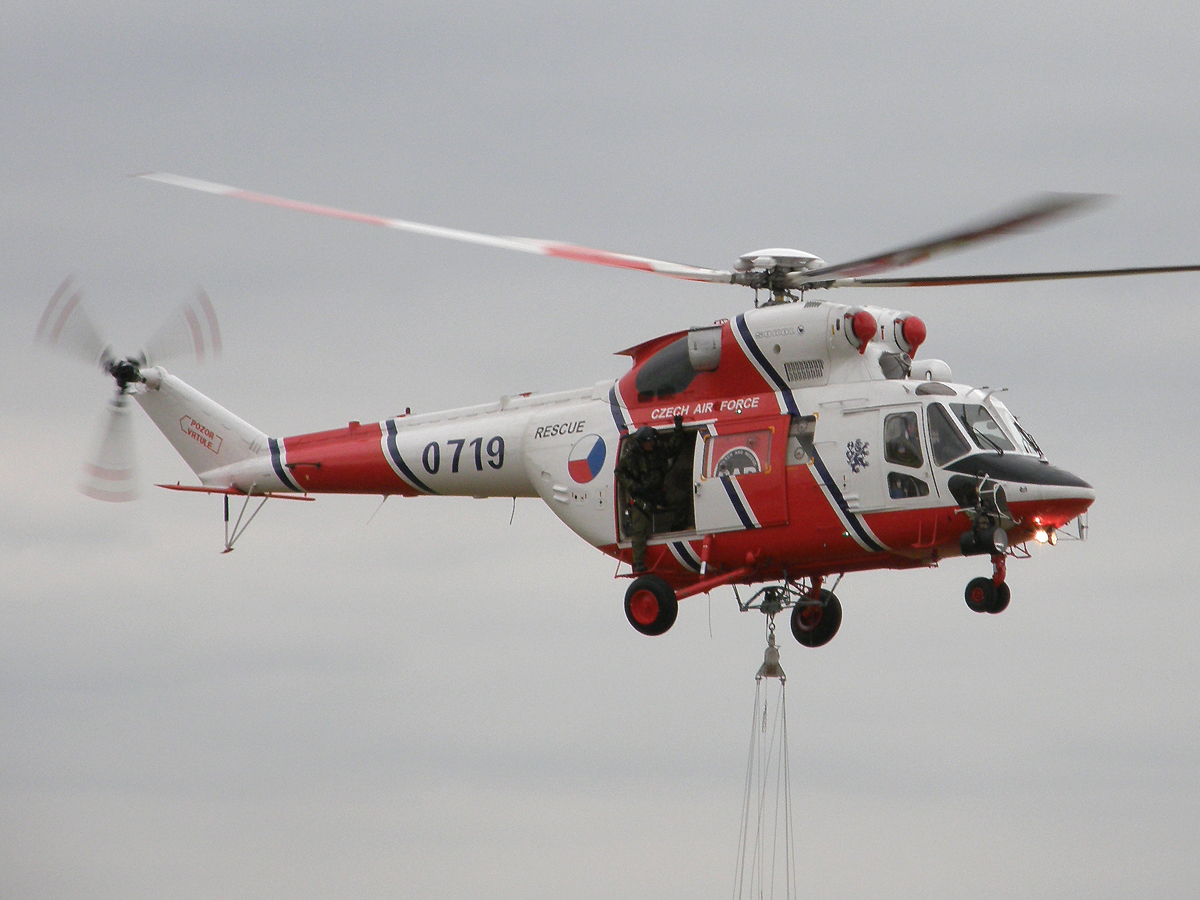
[646, 462]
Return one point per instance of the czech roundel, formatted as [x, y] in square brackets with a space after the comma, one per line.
[587, 458]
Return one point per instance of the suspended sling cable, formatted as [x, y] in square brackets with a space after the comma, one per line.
[761, 868]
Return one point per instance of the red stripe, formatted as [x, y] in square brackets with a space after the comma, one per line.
[211, 315]
[599, 257]
[95, 494]
[197, 336]
[66, 314]
[58, 295]
[310, 208]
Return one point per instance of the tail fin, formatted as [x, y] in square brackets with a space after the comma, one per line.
[206, 434]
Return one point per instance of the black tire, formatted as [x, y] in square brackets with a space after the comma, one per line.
[651, 605]
[1000, 604]
[815, 624]
[980, 594]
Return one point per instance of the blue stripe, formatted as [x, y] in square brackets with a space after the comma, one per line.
[782, 385]
[842, 505]
[686, 554]
[738, 506]
[277, 464]
[394, 453]
[615, 408]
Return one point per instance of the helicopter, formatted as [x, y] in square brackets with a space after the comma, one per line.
[810, 441]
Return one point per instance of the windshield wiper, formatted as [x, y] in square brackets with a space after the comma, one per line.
[977, 434]
[1029, 438]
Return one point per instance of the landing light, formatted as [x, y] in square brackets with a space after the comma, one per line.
[1046, 536]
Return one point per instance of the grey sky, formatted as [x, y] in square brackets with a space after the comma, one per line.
[440, 704]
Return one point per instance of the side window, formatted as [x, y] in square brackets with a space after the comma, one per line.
[901, 441]
[901, 486]
[945, 440]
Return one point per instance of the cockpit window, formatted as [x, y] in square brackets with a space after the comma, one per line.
[901, 443]
[945, 440]
[981, 427]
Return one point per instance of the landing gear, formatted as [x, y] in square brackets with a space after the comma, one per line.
[815, 620]
[980, 594]
[989, 595]
[816, 613]
[1003, 595]
[651, 605]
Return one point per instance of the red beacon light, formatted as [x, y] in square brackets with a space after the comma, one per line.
[860, 328]
[910, 334]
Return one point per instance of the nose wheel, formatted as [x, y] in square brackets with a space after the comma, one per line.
[989, 595]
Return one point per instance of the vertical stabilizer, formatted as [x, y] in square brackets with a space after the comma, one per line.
[206, 434]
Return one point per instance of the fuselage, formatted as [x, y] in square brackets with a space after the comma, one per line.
[811, 448]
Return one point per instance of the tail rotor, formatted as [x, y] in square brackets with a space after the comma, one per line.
[66, 327]
[110, 472]
[190, 330]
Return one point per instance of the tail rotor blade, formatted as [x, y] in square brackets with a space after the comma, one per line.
[110, 472]
[66, 326]
[191, 330]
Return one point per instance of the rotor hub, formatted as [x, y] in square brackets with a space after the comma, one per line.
[126, 371]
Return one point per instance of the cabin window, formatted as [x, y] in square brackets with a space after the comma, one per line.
[667, 372]
[901, 486]
[945, 440]
[981, 427]
[901, 440]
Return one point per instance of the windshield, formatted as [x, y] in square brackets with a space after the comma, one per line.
[982, 428]
[1013, 427]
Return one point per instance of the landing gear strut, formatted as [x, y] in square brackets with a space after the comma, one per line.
[990, 595]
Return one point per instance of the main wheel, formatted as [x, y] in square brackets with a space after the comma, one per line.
[1003, 595]
[815, 624]
[981, 595]
[650, 605]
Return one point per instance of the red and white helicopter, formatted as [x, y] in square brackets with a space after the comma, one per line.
[815, 443]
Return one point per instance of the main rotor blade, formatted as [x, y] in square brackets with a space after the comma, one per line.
[191, 329]
[947, 280]
[66, 326]
[110, 472]
[1033, 214]
[524, 245]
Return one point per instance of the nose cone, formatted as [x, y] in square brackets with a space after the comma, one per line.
[1037, 492]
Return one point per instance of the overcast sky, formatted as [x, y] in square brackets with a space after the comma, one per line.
[440, 704]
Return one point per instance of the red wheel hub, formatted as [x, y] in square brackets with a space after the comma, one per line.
[643, 606]
[809, 617]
